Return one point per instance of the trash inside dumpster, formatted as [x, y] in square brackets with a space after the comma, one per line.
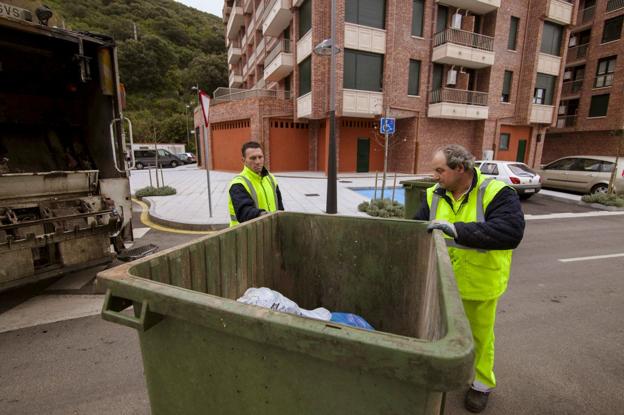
[204, 352]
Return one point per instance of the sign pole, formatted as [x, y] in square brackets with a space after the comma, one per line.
[383, 180]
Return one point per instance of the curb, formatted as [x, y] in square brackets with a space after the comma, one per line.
[602, 207]
[181, 225]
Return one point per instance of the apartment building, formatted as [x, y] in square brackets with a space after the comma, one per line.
[486, 74]
[592, 96]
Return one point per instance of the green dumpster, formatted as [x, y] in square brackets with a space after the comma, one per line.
[205, 353]
[415, 191]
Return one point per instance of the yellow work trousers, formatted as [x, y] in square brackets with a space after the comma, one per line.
[481, 315]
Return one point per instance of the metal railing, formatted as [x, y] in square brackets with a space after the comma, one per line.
[459, 96]
[464, 38]
[564, 121]
[587, 15]
[578, 52]
[281, 46]
[221, 94]
[614, 5]
[571, 87]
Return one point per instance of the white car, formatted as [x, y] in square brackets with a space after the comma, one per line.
[518, 175]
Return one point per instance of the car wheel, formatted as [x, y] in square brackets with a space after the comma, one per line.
[600, 188]
[174, 164]
[139, 165]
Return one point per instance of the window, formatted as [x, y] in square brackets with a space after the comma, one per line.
[563, 164]
[612, 29]
[413, 87]
[507, 79]
[418, 10]
[513, 33]
[599, 105]
[606, 167]
[491, 169]
[604, 72]
[305, 18]
[287, 82]
[544, 88]
[551, 39]
[442, 18]
[363, 70]
[504, 142]
[366, 12]
[305, 76]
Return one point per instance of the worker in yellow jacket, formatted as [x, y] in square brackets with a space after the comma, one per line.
[482, 222]
[254, 191]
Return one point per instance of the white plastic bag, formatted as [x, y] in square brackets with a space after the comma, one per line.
[265, 297]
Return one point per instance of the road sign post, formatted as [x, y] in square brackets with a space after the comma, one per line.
[387, 126]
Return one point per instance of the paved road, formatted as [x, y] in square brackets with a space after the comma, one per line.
[559, 334]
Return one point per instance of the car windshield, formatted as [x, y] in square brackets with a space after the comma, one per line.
[521, 170]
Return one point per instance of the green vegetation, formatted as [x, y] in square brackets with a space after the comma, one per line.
[605, 199]
[176, 48]
[155, 191]
[385, 208]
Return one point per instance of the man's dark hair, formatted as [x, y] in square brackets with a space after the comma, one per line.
[250, 144]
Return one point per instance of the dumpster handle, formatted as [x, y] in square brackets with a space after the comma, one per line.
[113, 305]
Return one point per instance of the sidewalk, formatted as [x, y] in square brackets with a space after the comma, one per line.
[301, 192]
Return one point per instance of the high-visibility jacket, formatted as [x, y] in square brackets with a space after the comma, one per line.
[480, 274]
[262, 189]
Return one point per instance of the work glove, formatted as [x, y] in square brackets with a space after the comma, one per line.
[443, 225]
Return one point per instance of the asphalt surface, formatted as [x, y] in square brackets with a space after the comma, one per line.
[559, 334]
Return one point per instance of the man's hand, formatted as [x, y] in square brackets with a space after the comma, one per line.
[445, 226]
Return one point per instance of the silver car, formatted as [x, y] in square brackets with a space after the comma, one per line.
[516, 174]
[585, 174]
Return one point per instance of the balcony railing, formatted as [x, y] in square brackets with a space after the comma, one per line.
[459, 96]
[236, 94]
[571, 87]
[564, 121]
[614, 5]
[281, 46]
[587, 15]
[578, 52]
[464, 38]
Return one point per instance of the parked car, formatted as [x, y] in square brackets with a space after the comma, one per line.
[518, 175]
[144, 158]
[586, 174]
[187, 158]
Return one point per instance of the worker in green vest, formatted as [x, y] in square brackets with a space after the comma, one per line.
[482, 222]
[254, 191]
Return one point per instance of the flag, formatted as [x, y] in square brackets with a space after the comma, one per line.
[204, 100]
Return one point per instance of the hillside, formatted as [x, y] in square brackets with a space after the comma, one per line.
[176, 48]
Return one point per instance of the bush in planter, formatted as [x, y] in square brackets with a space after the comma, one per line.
[385, 208]
[155, 191]
[605, 199]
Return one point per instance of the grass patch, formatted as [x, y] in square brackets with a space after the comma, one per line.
[155, 191]
[605, 199]
[385, 208]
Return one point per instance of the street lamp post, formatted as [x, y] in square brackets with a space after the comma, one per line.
[328, 47]
[188, 132]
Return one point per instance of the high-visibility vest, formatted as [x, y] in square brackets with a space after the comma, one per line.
[480, 274]
[261, 189]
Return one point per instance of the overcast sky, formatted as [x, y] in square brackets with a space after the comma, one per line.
[210, 6]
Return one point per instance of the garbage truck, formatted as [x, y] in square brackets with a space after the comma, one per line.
[64, 188]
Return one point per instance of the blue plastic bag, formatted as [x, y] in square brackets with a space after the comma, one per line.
[351, 320]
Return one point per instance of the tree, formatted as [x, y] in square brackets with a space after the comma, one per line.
[209, 71]
[144, 64]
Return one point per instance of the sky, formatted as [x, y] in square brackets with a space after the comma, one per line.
[211, 6]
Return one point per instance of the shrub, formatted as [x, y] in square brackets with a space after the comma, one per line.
[155, 191]
[605, 199]
[385, 208]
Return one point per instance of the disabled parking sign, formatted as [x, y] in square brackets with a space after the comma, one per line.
[387, 125]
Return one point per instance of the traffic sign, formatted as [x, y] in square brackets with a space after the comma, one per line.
[387, 125]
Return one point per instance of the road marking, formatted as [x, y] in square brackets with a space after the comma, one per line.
[573, 215]
[145, 220]
[138, 233]
[589, 258]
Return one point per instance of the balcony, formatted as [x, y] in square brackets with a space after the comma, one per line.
[235, 80]
[279, 62]
[566, 121]
[235, 21]
[541, 114]
[548, 64]
[236, 94]
[248, 6]
[571, 87]
[304, 47]
[358, 103]
[304, 106]
[234, 54]
[477, 6]
[277, 17]
[368, 39]
[458, 104]
[614, 5]
[459, 47]
[586, 15]
[560, 11]
[577, 52]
